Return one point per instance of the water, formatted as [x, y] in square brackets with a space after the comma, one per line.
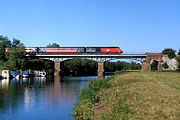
[40, 98]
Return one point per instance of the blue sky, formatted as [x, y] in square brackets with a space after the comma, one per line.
[137, 26]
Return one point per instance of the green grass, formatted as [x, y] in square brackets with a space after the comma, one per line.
[136, 95]
[88, 97]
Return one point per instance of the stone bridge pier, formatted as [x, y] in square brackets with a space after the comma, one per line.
[146, 64]
[100, 70]
[58, 69]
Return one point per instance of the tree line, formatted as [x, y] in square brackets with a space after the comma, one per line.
[16, 60]
[84, 67]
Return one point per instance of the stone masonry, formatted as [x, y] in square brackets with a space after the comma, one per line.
[146, 66]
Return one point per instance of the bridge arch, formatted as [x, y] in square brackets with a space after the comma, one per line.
[80, 66]
[59, 64]
[146, 64]
[154, 64]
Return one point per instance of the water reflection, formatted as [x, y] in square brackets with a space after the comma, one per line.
[40, 98]
[4, 83]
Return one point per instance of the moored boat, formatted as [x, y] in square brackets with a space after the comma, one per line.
[25, 74]
[15, 74]
[39, 73]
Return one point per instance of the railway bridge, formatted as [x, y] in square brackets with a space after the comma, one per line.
[101, 59]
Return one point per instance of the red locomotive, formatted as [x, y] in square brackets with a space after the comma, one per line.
[104, 50]
[111, 50]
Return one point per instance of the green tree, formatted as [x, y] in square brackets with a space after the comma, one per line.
[16, 58]
[17, 43]
[179, 52]
[165, 65]
[108, 66]
[135, 66]
[178, 59]
[154, 65]
[170, 52]
[4, 43]
[53, 45]
[12, 54]
[41, 64]
[80, 67]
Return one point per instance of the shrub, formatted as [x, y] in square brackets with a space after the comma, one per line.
[88, 94]
[120, 72]
[165, 65]
[83, 110]
[98, 85]
[178, 59]
[88, 97]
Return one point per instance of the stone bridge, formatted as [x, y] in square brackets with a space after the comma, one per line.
[146, 63]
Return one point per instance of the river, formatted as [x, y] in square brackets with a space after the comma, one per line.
[40, 98]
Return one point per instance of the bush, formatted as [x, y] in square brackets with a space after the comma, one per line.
[120, 72]
[178, 59]
[88, 97]
[165, 65]
[88, 94]
[97, 85]
[83, 110]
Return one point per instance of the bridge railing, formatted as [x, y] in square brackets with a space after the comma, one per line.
[90, 55]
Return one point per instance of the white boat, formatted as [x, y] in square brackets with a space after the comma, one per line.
[39, 73]
[17, 76]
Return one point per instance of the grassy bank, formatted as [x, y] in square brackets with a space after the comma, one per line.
[133, 95]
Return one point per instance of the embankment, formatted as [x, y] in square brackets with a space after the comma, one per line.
[133, 95]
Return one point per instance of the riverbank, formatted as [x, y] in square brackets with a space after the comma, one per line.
[132, 95]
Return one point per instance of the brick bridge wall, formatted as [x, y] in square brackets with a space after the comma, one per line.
[146, 66]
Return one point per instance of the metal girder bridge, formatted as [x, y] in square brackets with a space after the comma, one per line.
[95, 57]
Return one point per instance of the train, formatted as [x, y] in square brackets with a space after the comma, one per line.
[72, 50]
